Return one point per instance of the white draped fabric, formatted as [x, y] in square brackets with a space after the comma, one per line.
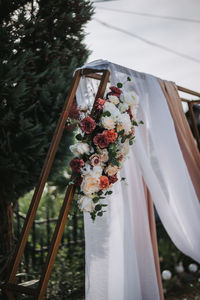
[119, 257]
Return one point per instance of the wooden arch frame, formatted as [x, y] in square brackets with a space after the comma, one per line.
[11, 288]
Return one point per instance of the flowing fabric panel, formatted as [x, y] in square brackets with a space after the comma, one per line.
[116, 245]
[119, 257]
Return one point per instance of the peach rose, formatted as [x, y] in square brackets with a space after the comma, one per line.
[108, 122]
[111, 170]
[104, 155]
[90, 185]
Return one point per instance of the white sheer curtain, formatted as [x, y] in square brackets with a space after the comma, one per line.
[119, 259]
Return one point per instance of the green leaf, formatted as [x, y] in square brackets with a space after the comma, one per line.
[100, 214]
[134, 123]
[128, 136]
[123, 178]
[98, 207]
[119, 85]
[93, 215]
[123, 139]
[130, 142]
[100, 193]
[114, 161]
[121, 132]
[106, 114]
[95, 199]
[108, 193]
[128, 78]
[79, 137]
[141, 122]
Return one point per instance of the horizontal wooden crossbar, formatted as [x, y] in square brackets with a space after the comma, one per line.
[23, 288]
[96, 76]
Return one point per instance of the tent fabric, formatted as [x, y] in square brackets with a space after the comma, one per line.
[119, 255]
[187, 144]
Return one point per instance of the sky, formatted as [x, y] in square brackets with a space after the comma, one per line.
[124, 49]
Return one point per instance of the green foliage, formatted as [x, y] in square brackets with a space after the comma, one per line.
[41, 45]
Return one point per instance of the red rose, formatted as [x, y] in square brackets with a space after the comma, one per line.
[104, 182]
[101, 140]
[113, 178]
[76, 164]
[87, 125]
[111, 135]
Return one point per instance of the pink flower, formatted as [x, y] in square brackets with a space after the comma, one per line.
[101, 140]
[87, 125]
[95, 159]
[76, 164]
[99, 103]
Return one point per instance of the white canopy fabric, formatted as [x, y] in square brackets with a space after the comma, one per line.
[119, 257]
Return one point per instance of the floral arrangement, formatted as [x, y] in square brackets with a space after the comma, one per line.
[106, 134]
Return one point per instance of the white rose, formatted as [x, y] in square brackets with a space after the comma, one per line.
[125, 122]
[123, 107]
[96, 172]
[114, 111]
[80, 149]
[90, 185]
[113, 99]
[131, 98]
[86, 169]
[86, 204]
[108, 123]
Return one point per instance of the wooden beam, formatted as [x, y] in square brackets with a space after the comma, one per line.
[185, 90]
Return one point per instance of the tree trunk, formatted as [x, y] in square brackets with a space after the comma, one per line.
[6, 228]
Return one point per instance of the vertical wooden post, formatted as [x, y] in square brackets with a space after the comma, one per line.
[154, 242]
[194, 125]
[42, 180]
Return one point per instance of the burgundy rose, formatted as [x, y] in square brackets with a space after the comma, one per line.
[115, 91]
[112, 179]
[87, 125]
[74, 112]
[70, 127]
[76, 164]
[101, 140]
[130, 113]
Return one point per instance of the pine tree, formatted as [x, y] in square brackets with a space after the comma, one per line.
[41, 45]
